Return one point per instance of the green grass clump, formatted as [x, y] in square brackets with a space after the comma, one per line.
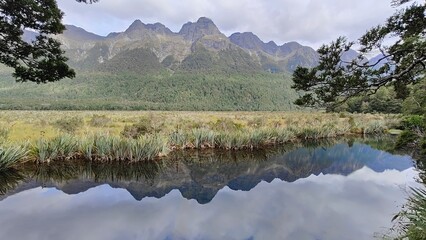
[63, 147]
[203, 138]
[110, 148]
[11, 156]
[411, 222]
[179, 139]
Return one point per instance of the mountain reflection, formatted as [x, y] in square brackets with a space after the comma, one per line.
[200, 175]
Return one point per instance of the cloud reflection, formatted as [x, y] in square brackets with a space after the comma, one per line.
[317, 207]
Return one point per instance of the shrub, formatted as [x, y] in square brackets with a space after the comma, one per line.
[99, 121]
[144, 126]
[413, 122]
[69, 125]
[226, 124]
[406, 138]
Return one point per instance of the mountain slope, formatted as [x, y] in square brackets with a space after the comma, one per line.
[147, 66]
[275, 58]
[89, 51]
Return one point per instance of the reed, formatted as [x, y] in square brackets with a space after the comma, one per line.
[178, 139]
[203, 138]
[41, 152]
[164, 131]
[411, 221]
[10, 156]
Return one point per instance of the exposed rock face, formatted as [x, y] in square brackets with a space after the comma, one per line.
[173, 50]
[194, 31]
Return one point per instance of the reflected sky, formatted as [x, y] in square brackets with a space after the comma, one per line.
[343, 191]
[318, 207]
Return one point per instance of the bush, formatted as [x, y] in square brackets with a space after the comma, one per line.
[413, 122]
[226, 124]
[99, 121]
[144, 126]
[69, 125]
[406, 138]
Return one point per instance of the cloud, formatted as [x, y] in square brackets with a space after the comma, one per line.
[317, 207]
[312, 22]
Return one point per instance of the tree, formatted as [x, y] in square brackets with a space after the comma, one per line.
[402, 63]
[42, 60]
[416, 102]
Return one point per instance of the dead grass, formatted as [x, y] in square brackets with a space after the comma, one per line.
[33, 125]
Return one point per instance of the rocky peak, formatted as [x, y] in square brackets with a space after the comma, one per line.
[248, 40]
[78, 33]
[113, 34]
[159, 28]
[137, 25]
[288, 48]
[194, 31]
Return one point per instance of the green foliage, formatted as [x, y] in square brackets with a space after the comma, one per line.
[335, 80]
[138, 60]
[63, 147]
[42, 60]
[413, 122]
[416, 102]
[160, 91]
[411, 222]
[203, 138]
[383, 101]
[406, 139]
[11, 156]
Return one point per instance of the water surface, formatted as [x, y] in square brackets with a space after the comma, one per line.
[346, 190]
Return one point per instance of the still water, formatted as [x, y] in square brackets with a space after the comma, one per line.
[338, 190]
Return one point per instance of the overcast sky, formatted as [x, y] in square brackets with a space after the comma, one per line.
[310, 22]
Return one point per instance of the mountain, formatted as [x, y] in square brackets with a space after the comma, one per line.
[379, 61]
[199, 41]
[148, 66]
[194, 31]
[275, 58]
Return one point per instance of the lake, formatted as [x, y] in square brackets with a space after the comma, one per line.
[345, 189]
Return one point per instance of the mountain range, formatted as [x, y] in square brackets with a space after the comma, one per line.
[197, 46]
[148, 66]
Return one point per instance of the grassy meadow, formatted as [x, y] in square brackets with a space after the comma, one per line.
[44, 136]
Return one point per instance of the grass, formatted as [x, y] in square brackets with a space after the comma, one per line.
[10, 156]
[139, 136]
[410, 223]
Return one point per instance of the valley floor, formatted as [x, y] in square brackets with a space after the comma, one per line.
[44, 136]
[18, 126]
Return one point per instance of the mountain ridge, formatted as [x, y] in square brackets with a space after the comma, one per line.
[159, 39]
[149, 67]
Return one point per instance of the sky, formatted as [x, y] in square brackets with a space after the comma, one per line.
[310, 22]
